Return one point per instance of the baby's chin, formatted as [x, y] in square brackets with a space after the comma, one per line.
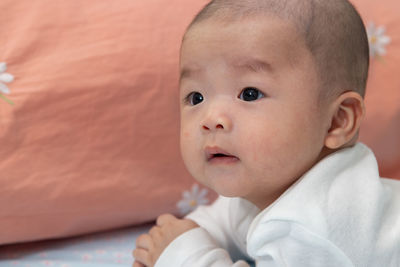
[228, 187]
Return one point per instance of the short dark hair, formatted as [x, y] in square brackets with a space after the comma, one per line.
[332, 29]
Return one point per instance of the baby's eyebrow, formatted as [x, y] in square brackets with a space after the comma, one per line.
[188, 71]
[253, 65]
[249, 64]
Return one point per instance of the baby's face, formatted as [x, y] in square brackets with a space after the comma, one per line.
[251, 122]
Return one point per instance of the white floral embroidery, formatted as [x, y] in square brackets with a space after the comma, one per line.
[192, 199]
[377, 40]
[5, 78]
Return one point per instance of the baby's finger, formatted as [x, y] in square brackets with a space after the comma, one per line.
[162, 219]
[137, 264]
[142, 256]
[155, 232]
[144, 241]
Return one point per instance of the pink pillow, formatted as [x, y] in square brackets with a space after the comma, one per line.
[381, 128]
[92, 140]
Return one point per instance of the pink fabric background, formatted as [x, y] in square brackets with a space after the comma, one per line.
[92, 141]
[381, 128]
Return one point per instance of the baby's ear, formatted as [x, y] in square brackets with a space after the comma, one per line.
[349, 111]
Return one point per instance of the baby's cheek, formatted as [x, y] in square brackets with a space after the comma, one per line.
[258, 146]
[189, 145]
[264, 154]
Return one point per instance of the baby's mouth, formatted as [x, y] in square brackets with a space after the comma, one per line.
[217, 155]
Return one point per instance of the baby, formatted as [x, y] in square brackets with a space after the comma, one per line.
[271, 105]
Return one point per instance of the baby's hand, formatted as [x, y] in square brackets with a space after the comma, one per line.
[150, 246]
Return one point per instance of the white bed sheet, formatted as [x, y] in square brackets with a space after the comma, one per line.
[106, 249]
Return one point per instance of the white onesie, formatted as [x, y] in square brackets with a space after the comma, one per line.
[339, 214]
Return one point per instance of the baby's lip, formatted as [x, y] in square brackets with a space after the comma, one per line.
[212, 151]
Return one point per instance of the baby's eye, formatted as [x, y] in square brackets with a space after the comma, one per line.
[194, 98]
[250, 94]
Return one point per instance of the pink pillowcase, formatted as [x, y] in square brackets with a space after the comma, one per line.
[92, 140]
[381, 127]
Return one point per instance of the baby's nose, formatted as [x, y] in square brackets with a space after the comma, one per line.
[214, 122]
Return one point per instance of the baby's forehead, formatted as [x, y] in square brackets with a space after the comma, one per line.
[250, 21]
[248, 42]
[265, 45]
